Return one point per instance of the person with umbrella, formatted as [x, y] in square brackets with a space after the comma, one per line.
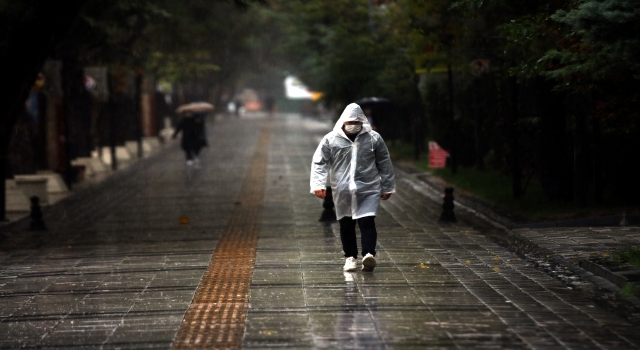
[357, 162]
[193, 132]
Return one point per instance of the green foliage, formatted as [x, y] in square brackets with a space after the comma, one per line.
[331, 47]
[630, 290]
[631, 256]
[209, 43]
[576, 43]
[495, 187]
[437, 110]
[181, 67]
[403, 151]
[200, 40]
[9, 10]
[112, 32]
[350, 49]
[436, 33]
[535, 205]
[526, 45]
[606, 22]
[608, 45]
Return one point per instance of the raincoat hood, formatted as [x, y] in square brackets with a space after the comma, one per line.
[358, 170]
[353, 113]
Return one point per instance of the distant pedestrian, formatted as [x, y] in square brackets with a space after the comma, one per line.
[369, 113]
[357, 162]
[270, 105]
[238, 107]
[203, 128]
[192, 129]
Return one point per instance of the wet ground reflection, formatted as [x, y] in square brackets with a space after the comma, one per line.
[355, 327]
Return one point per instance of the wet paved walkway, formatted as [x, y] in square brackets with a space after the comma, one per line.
[118, 270]
[574, 243]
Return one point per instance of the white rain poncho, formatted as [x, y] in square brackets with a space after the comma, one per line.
[359, 171]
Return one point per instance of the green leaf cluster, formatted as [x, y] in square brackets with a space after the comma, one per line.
[607, 41]
[204, 40]
[631, 256]
[330, 46]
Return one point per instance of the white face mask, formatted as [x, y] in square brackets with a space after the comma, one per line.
[353, 129]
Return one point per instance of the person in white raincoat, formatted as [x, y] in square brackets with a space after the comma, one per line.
[357, 162]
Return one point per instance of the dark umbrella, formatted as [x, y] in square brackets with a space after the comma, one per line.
[372, 101]
[195, 107]
[381, 111]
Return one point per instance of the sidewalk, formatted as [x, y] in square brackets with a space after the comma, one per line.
[18, 207]
[586, 245]
[118, 269]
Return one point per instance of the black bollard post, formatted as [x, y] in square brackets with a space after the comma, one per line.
[37, 224]
[447, 207]
[328, 214]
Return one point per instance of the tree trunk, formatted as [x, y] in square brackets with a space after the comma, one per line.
[452, 132]
[23, 50]
[4, 153]
[114, 123]
[579, 154]
[477, 126]
[138, 108]
[72, 76]
[598, 182]
[555, 165]
[415, 134]
[516, 167]
[417, 112]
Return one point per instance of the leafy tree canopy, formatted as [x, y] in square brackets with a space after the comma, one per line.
[606, 40]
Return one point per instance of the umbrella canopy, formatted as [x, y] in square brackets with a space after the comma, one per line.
[372, 101]
[380, 111]
[195, 107]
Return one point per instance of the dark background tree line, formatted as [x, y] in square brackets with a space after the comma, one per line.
[541, 91]
[200, 46]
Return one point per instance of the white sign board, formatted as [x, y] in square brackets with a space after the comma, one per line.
[295, 89]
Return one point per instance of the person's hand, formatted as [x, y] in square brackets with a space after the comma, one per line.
[385, 196]
[321, 193]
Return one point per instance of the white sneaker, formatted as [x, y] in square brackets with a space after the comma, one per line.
[350, 264]
[369, 262]
[189, 163]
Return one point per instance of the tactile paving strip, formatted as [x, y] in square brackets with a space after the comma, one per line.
[215, 318]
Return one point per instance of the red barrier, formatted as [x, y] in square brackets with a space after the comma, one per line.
[437, 155]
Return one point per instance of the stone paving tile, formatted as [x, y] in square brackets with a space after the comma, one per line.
[277, 298]
[80, 332]
[107, 303]
[24, 334]
[284, 328]
[583, 242]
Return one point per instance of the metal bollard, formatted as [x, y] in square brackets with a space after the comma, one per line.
[328, 214]
[447, 207]
[37, 224]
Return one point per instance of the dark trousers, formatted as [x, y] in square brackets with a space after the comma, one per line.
[192, 152]
[368, 235]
